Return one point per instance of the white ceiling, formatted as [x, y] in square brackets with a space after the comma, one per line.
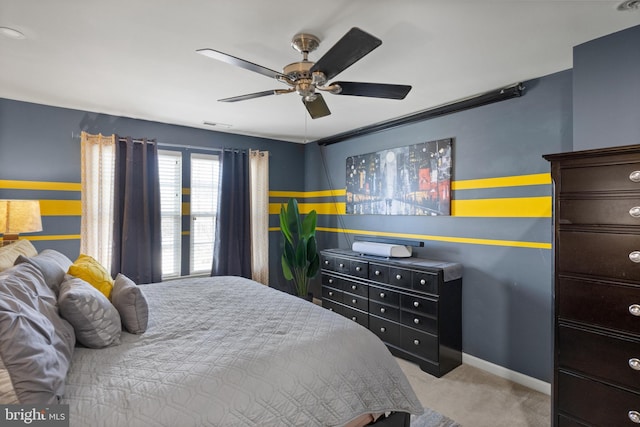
[136, 58]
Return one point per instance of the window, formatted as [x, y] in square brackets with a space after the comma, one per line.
[170, 174]
[204, 206]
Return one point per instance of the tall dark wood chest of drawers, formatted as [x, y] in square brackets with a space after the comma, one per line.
[596, 379]
[412, 304]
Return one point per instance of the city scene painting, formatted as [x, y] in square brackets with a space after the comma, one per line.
[411, 180]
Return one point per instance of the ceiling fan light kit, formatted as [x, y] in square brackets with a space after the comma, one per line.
[308, 78]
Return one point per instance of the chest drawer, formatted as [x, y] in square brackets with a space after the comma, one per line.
[355, 288]
[379, 272]
[384, 295]
[356, 301]
[614, 360]
[599, 304]
[425, 282]
[419, 305]
[359, 268]
[600, 254]
[356, 315]
[332, 281]
[331, 294]
[342, 265]
[420, 343]
[419, 321]
[609, 211]
[383, 310]
[596, 403]
[400, 277]
[332, 306]
[387, 331]
[603, 178]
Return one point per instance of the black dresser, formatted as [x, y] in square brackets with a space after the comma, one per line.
[412, 304]
[596, 378]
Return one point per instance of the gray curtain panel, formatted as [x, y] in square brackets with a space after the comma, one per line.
[137, 247]
[232, 248]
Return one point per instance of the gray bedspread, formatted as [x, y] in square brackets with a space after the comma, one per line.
[226, 351]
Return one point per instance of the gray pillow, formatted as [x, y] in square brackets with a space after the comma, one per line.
[95, 320]
[36, 344]
[127, 297]
[52, 264]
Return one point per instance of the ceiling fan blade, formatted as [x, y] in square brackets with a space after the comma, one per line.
[317, 108]
[373, 90]
[349, 49]
[249, 96]
[229, 59]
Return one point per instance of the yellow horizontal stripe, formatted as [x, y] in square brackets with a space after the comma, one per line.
[505, 181]
[307, 194]
[53, 237]
[186, 191]
[60, 207]
[185, 233]
[40, 185]
[186, 208]
[536, 207]
[305, 208]
[468, 240]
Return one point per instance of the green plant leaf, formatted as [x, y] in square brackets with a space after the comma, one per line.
[285, 269]
[293, 218]
[309, 224]
[284, 225]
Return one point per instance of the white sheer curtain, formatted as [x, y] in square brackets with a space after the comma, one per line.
[97, 166]
[259, 176]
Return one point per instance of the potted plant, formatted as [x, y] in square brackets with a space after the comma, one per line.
[300, 259]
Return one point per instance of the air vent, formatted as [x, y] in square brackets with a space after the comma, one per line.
[218, 125]
[629, 5]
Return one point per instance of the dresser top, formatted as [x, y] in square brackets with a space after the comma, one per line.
[451, 270]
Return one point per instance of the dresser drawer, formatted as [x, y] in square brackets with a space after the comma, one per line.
[599, 178]
[355, 301]
[609, 211]
[614, 360]
[379, 272]
[419, 305]
[342, 265]
[331, 294]
[328, 263]
[355, 288]
[387, 331]
[400, 277]
[384, 295]
[332, 281]
[597, 303]
[332, 306]
[356, 315]
[599, 254]
[419, 321]
[383, 310]
[359, 268]
[420, 343]
[425, 282]
[595, 403]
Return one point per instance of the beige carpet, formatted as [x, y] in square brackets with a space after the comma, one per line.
[475, 398]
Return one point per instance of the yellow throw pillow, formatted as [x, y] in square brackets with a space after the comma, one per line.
[90, 270]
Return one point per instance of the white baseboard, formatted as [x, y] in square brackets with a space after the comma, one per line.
[502, 372]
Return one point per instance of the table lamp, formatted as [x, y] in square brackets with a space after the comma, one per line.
[19, 216]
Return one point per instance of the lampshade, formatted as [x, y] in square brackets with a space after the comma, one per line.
[19, 216]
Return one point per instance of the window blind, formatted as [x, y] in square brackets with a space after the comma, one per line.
[205, 170]
[170, 174]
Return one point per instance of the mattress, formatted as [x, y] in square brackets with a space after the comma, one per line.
[227, 351]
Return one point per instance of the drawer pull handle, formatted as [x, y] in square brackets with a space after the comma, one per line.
[635, 176]
[326, 262]
[635, 211]
[330, 280]
[416, 321]
[341, 265]
[331, 309]
[377, 273]
[634, 364]
[398, 276]
[634, 309]
[383, 310]
[634, 416]
[354, 301]
[383, 329]
[635, 256]
[354, 318]
[423, 282]
[416, 342]
[330, 293]
[416, 304]
[354, 287]
[358, 268]
[382, 295]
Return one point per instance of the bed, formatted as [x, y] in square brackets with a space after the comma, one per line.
[224, 351]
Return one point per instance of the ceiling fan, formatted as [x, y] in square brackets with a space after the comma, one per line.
[309, 78]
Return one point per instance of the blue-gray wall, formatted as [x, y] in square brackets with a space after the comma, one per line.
[41, 144]
[506, 289]
[606, 107]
